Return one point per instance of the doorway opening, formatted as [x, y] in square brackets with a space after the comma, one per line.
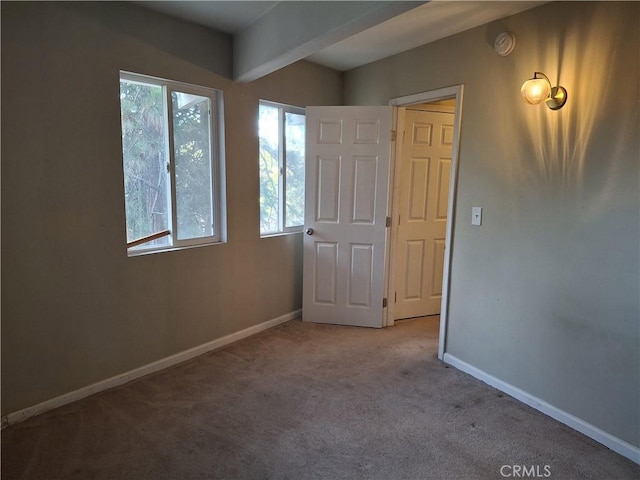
[424, 168]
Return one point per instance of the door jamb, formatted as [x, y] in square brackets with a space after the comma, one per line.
[455, 91]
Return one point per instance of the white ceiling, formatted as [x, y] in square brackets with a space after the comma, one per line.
[225, 16]
[425, 23]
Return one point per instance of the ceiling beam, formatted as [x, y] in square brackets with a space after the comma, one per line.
[291, 31]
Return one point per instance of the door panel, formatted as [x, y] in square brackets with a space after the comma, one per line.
[360, 275]
[418, 186]
[424, 170]
[364, 197]
[444, 174]
[348, 152]
[328, 189]
[414, 279]
[326, 258]
[438, 265]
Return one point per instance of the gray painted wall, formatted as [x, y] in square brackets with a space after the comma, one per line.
[545, 294]
[75, 308]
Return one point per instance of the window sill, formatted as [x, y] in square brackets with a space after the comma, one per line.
[141, 253]
[280, 234]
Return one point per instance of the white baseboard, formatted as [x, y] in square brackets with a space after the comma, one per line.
[156, 366]
[617, 445]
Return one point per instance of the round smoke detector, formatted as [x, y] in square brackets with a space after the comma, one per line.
[504, 43]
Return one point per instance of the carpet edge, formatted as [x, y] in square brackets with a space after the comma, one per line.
[83, 392]
[614, 443]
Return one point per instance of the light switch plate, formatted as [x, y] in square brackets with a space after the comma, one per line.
[476, 216]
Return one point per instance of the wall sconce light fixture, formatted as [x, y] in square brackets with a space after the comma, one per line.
[538, 89]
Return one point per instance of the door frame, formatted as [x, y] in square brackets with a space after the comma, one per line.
[455, 92]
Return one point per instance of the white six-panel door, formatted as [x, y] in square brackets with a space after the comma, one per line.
[424, 171]
[347, 184]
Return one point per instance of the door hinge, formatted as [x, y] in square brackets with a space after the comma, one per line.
[384, 303]
[395, 297]
[394, 135]
[388, 223]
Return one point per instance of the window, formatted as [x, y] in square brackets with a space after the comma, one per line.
[173, 166]
[281, 132]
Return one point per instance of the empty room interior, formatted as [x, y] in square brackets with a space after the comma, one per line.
[207, 206]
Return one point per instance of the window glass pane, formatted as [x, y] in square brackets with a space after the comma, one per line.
[269, 169]
[294, 148]
[192, 147]
[144, 158]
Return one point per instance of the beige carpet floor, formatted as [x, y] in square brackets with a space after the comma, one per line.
[305, 401]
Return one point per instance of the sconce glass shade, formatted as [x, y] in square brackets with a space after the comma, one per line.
[538, 89]
[535, 90]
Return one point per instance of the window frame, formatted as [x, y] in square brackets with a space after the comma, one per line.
[217, 163]
[282, 166]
